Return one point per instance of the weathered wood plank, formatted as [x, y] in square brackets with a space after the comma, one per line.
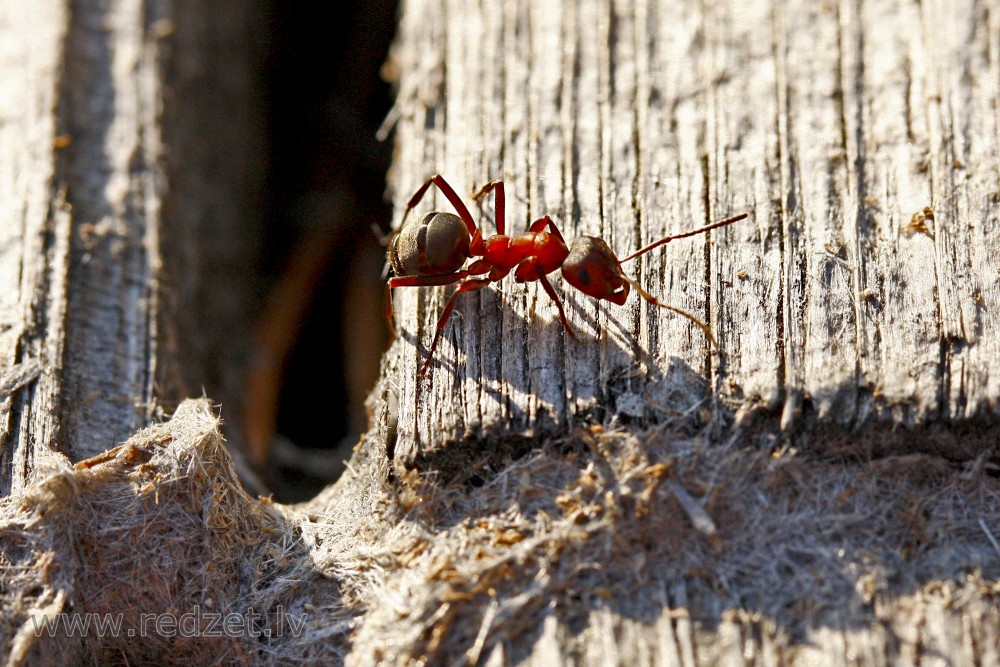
[842, 322]
[833, 124]
[83, 182]
[113, 192]
[78, 222]
[33, 228]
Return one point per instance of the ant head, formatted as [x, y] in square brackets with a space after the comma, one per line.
[593, 268]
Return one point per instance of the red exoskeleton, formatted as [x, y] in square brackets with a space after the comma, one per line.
[433, 251]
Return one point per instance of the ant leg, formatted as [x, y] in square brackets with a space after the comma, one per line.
[651, 299]
[414, 281]
[540, 224]
[426, 281]
[562, 314]
[389, 312]
[470, 285]
[499, 204]
[456, 201]
[479, 267]
[527, 270]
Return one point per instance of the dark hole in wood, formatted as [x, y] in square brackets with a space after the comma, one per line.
[325, 100]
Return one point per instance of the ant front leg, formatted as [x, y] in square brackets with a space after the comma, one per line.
[449, 192]
[470, 285]
[499, 204]
[529, 270]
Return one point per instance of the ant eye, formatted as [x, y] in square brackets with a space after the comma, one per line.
[583, 275]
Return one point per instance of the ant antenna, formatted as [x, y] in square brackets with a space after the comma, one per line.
[651, 299]
[380, 236]
[700, 230]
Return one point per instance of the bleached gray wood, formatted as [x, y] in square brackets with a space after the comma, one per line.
[848, 319]
[78, 214]
[99, 300]
[832, 124]
[32, 266]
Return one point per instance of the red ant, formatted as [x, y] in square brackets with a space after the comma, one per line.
[433, 249]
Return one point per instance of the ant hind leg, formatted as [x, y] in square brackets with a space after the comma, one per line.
[546, 221]
[499, 202]
[449, 192]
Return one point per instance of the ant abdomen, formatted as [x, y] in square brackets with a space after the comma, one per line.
[436, 244]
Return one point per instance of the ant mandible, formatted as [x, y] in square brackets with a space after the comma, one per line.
[433, 250]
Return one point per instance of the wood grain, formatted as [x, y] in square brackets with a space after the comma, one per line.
[34, 233]
[78, 220]
[840, 302]
[858, 302]
[855, 310]
[98, 297]
[903, 634]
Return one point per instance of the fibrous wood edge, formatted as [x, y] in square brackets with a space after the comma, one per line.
[656, 547]
[578, 553]
[147, 534]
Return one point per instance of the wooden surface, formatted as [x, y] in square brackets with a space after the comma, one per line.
[855, 311]
[833, 124]
[100, 302]
[76, 139]
[836, 309]
[900, 636]
[27, 130]
[78, 215]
